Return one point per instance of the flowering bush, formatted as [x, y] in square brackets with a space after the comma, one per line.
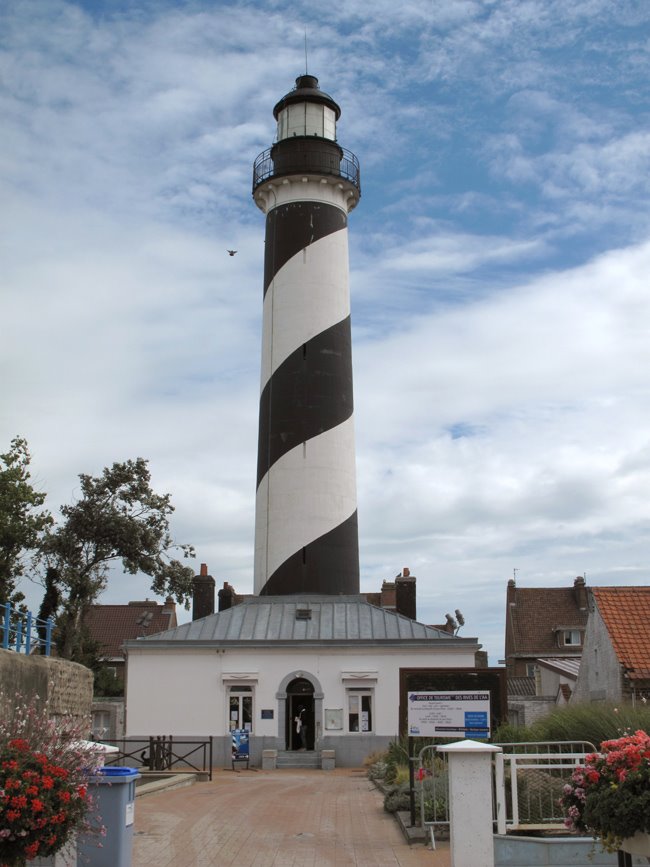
[44, 767]
[610, 796]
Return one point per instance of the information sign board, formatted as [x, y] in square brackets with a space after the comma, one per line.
[449, 714]
[239, 742]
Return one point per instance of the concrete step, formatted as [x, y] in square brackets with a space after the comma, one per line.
[298, 759]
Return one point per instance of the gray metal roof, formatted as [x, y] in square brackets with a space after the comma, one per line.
[563, 664]
[521, 686]
[274, 619]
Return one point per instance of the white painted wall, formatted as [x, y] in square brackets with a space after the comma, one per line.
[308, 492]
[599, 678]
[309, 294]
[182, 692]
[550, 681]
[332, 190]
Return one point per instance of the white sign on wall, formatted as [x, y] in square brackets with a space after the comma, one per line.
[449, 714]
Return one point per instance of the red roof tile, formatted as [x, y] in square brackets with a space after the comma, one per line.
[111, 625]
[626, 614]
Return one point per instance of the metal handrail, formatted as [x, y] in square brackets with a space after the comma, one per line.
[164, 753]
[22, 632]
[264, 166]
[420, 777]
[540, 756]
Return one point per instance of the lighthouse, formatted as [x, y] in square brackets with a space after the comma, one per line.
[306, 536]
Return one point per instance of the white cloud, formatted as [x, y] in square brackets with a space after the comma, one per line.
[500, 350]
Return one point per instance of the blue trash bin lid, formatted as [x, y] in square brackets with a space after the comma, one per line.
[118, 772]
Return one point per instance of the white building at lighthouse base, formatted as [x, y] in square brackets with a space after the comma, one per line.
[257, 663]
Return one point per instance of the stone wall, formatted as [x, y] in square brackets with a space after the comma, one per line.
[525, 710]
[67, 685]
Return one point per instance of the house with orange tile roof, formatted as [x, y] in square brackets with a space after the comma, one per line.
[616, 654]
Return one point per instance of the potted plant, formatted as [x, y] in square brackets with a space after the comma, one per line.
[609, 797]
[44, 770]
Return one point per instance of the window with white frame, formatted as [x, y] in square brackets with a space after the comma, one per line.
[572, 637]
[240, 707]
[360, 710]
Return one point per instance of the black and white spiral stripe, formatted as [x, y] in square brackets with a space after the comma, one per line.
[306, 537]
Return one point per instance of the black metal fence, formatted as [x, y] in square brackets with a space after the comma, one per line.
[163, 753]
[316, 159]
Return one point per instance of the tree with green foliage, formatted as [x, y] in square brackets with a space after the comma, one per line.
[23, 521]
[118, 517]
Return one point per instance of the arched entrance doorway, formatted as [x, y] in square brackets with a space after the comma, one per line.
[300, 702]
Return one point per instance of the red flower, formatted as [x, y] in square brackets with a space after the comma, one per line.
[19, 801]
[32, 791]
[12, 815]
[37, 806]
[47, 782]
[32, 849]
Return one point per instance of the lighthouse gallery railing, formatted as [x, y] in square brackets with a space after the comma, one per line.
[264, 166]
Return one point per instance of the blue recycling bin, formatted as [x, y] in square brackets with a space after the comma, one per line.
[113, 791]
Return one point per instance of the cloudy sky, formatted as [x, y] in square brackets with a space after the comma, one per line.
[500, 262]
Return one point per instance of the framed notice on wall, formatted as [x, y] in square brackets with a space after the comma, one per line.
[449, 714]
[334, 719]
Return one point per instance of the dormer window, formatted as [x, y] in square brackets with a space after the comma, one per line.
[572, 638]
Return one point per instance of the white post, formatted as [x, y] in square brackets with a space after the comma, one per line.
[500, 792]
[470, 803]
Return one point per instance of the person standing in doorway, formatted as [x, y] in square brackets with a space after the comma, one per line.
[300, 729]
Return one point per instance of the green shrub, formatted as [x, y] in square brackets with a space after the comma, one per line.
[509, 734]
[375, 756]
[580, 722]
[377, 771]
[592, 722]
[397, 798]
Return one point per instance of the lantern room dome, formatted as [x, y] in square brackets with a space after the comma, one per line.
[306, 90]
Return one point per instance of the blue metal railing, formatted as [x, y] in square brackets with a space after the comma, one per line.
[23, 632]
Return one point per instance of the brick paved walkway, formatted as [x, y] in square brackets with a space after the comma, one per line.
[274, 819]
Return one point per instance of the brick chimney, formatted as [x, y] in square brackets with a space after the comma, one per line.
[580, 588]
[387, 595]
[405, 601]
[202, 594]
[169, 608]
[226, 597]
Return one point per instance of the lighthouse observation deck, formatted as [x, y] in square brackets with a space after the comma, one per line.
[306, 156]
